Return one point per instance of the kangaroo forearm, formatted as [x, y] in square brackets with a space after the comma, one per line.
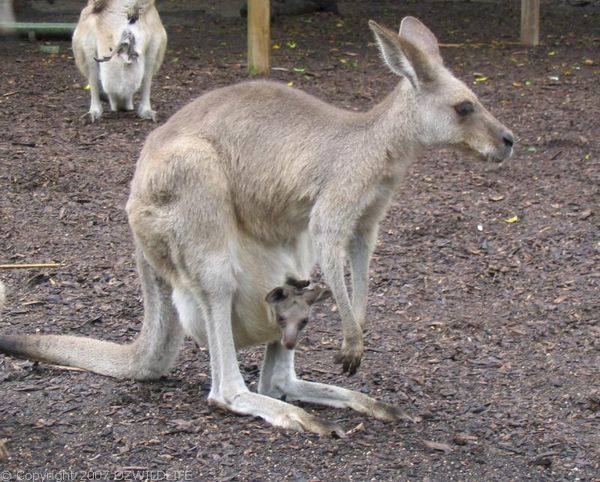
[359, 268]
[333, 271]
[360, 250]
[361, 246]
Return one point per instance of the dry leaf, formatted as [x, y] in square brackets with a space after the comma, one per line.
[3, 450]
[560, 299]
[463, 438]
[442, 447]
[359, 428]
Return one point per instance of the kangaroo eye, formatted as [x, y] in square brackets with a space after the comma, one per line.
[303, 323]
[464, 108]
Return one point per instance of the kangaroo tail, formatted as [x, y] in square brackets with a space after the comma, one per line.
[103, 357]
[147, 358]
[97, 356]
[152, 353]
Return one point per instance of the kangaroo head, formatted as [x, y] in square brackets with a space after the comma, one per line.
[446, 111]
[292, 303]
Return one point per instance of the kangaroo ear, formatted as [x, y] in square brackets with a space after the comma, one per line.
[418, 34]
[316, 294]
[404, 57]
[276, 295]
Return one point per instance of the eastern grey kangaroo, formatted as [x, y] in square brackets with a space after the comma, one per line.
[253, 181]
[119, 45]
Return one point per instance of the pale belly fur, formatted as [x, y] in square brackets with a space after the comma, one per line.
[257, 270]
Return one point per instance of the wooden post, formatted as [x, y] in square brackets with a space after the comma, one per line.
[259, 37]
[530, 22]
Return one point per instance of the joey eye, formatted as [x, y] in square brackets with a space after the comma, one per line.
[281, 321]
[303, 323]
[464, 108]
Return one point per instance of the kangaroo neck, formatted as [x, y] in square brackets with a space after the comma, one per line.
[392, 123]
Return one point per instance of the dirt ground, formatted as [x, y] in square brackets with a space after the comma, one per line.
[484, 300]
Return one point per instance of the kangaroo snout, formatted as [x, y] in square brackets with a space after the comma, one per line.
[492, 141]
[507, 149]
[289, 338]
[509, 142]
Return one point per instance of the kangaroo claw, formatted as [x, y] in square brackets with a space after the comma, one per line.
[350, 360]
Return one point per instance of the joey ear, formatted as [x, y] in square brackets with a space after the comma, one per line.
[404, 57]
[296, 283]
[317, 294]
[276, 295]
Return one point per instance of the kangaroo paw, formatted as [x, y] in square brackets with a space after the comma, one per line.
[305, 422]
[94, 115]
[148, 114]
[389, 413]
[133, 13]
[349, 357]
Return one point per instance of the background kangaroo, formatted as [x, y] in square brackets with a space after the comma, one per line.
[119, 45]
[256, 180]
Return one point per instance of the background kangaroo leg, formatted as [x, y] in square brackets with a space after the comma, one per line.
[278, 378]
[95, 111]
[153, 59]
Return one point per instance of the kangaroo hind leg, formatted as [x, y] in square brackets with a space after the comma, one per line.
[162, 334]
[278, 379]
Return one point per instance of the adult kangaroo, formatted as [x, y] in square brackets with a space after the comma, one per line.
[119, 46]
[253, 181]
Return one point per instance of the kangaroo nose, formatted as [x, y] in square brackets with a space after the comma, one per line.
[508, 139]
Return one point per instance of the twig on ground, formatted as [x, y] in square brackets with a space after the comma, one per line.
[31, 265]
